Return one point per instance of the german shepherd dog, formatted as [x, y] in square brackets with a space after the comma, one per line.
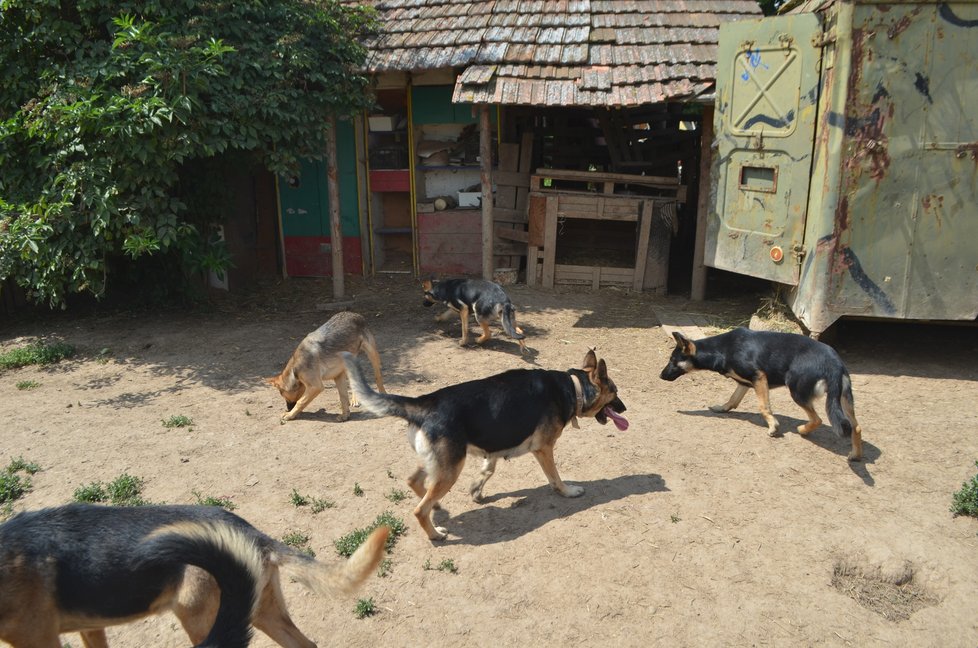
[765, 360]
[503, 416]
[83, 567]
[315, 360]
[484, 299]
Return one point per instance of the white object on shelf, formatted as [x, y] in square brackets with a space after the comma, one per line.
[469, 198]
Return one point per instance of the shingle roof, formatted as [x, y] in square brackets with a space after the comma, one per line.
[559, 52]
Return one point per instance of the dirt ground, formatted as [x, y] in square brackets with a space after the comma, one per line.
[696, 529]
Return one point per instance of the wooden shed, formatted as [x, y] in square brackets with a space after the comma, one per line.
[559, 141]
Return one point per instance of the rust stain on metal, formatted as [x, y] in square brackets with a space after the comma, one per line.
[901, 25]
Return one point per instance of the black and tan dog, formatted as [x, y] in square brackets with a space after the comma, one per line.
[503, 416]
[83, 567]
[484, 299]
[315, 360]
[765, 360]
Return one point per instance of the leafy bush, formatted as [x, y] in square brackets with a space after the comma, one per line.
[150, 94]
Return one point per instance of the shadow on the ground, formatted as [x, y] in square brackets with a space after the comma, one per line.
[504, 516]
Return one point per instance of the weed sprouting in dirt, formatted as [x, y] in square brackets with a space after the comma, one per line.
[28, 385]
[448, 566]
[346, 545]
[177, 421]
[38, 353]
[222, 501]
[315, 504]
[357, 490]
[385, 568]
[13, 486]
[300, 541]
[965, 501]
[396, 495]
[365, 608]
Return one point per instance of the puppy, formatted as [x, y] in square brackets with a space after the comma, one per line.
[315, 360]
[503, 416]
[484, 299]
[83, 567]
[765, 360]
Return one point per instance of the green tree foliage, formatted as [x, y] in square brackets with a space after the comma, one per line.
[105, 104]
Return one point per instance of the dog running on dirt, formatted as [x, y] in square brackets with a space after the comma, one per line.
[83, 567]
[765, 360]
[315, 360]
[502, 416]
[484, 299]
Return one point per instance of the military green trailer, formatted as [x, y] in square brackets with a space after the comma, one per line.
[844, 164]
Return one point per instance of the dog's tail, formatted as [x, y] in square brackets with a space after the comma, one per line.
[337, 579]
[228, 554]
[382, 404]
[839, 388]
[508, 318]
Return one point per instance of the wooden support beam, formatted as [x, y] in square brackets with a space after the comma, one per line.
[698, 290]
[485, 175]
[335, 228]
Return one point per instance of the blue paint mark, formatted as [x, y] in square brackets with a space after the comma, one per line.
[745, 76]
[867, 285]
[948, 14]
[836, 119]
[771, 121]
[754, 59]
[881, 92]
[812, 95]
[923, 86]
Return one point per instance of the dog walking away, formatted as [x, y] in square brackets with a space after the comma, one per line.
[765, 360]
[83, 567]
[503, 416]
[484, 299]
[315, 360]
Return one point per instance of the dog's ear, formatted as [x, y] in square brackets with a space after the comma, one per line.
[590, 360]
[602, 371]
[684, 343]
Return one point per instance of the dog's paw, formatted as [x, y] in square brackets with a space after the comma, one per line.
[854, 457]
[441, 533]
[573, 491]
[288, 416]
[774, 430]
[719, 409]
[343, 417]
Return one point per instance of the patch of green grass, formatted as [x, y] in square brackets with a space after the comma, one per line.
[965, 501]
[674, 518]
[19, 464]
[37, 353]
[385, 568]
[177, 421]
[396, 495]
[346, 545]
[6, 510]
[223, 501]
[448, 566]
[365, 608]
[300, 541]
[103, 356]
[357, 490]
[124, 490]
[28, 385]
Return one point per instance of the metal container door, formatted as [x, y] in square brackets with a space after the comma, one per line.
[767, 95]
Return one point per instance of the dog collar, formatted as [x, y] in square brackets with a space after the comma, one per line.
[579, 397]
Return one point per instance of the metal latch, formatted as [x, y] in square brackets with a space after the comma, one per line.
[798, 252]
[823, 38]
